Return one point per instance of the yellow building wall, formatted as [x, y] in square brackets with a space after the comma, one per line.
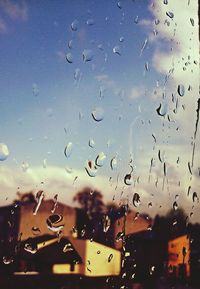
[132, 225]
[175, 248]
[28, 220]
[95, 258]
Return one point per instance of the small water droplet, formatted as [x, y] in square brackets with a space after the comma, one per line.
[77, 74]
[106, 223]
[90, 22]
[110, 258]
[87, 55]
[39, 197]
[98, 114]
[157, 21]
[24, 166]
[136, 19]
[69, 57]
[192, 21]
[35, 89]
[36, 231]
[44, 163]
[91, 169]
[195, 197]
[119, 5]
[181, 89]
[117, 50]
[91, 143]
[165, 2]
[100, 159]
[67, 248]
[113, 163]
[170, 14]
[4, 152]
[70, 44]
[120, 236]
[74, 25]
[136, 200]
[68, 149]
[144, 46]
[128, 179]
[121, 39]
[175, 206]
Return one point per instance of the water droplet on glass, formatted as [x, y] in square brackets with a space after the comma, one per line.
[110, 258]
[120, 236]
[106, 223]
[91, 169]
[119, 4]
[175, 206]
[98, 114]
[181, 89]
[170, 14]
[165, 2]
[55, 199]
[87, 55]
[39, 197]
[8, 260]
[117, 50]
[157, 21]
[113, 163]
[77, 74]
[195, 197]
[121, 39]
[4, 152]
[74, 25]
[100, 159]
[70, 44]
[128, 179]
[136, 200]
[90, 22]
[91, 143]
[150, 205]
[162, 109]
[68, 149]
[36, 231]
[192, 21]
[68, 248]
[144, 46]
[44, 163]
[31, 248]
[136, 20]
[69, 57]
[53, 223]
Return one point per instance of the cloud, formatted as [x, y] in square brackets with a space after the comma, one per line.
[52, 179]
[3, 26]
[16, 11]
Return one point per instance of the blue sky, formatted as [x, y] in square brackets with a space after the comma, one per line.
[43, 107]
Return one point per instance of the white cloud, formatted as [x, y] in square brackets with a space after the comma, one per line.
[137, 92]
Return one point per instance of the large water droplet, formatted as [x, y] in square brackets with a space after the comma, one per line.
[74, 25]
[117, 50]
[68, 149]
[181, 89]
[53, 223]
[91, 169]
[31, 248]
[113, 163]
[69, 57]
[136, 200]
[100, 159]
[4, 152]
[128, 179]
[162, 109]
[8, 260]
[87, 55]
[98, 114]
